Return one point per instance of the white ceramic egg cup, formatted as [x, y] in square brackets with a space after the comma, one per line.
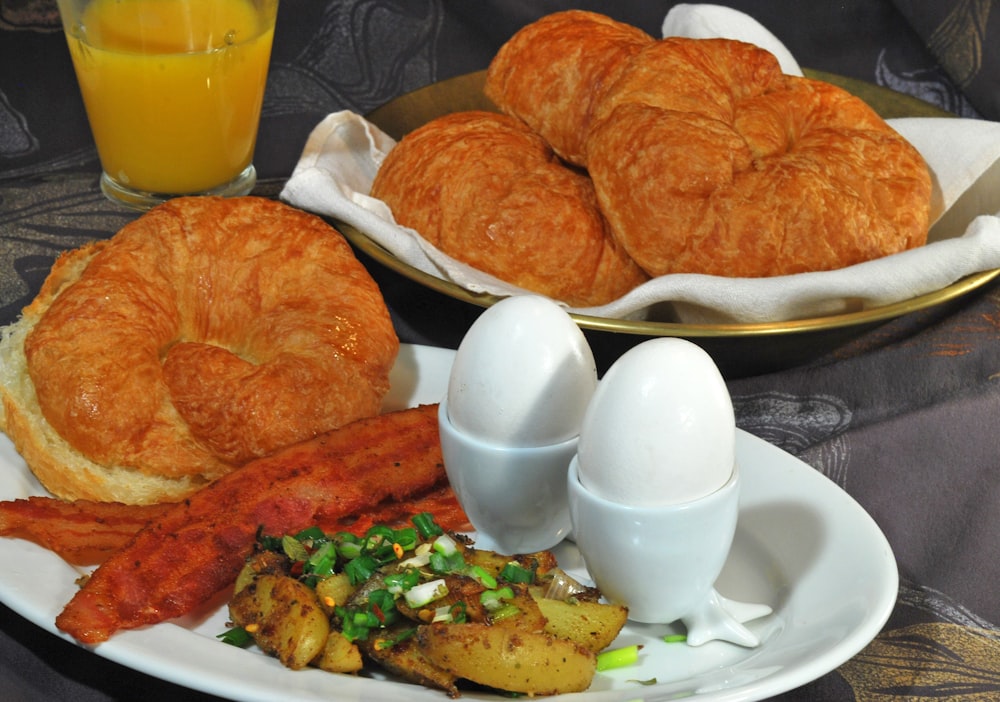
[514, 496]
[663, 561]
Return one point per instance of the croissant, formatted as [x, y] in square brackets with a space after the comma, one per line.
[707, 159]
[204, 334]
[488, 191]
[552, 72]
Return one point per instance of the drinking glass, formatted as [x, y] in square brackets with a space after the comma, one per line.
[173, 91]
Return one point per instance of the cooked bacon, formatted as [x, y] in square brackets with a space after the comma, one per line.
[85, 532]
[197, 547]
[440, 502]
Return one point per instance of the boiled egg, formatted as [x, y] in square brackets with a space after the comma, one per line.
[660, 428]
[522, 376]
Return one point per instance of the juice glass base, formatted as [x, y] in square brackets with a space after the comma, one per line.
[143, 200]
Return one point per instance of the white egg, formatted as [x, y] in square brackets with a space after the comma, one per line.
[660, 428]
[522, 376]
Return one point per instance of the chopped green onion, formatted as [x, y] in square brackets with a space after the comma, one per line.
[406, 537]
[390, 641]
[382, 604]
[237, 636]
[349, 628]
[313, 533]
[426, 526]
[675, 638]
[442, 564]
[504, 611]
[425, 593]
[378, 541]
[515, 573]
[398, 583]
[492, 600]
[458, 612]
[348, 545]
[366, 619]
[618, 657]
[323, 560]
[479, 574]
[360, 569]
[442, 614]
[445, 545]
[451, 614]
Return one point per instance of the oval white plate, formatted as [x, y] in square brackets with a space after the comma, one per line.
[803, 546]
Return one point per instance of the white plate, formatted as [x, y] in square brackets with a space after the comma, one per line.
[802, 546]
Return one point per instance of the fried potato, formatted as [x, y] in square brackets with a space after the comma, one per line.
[258, 564]
[284, 617]
[334, 590]
[591, 624]
[493, 562]
[507, 659]
[339, 655]
[408, 661]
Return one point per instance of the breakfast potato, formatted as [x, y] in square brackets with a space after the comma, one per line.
[334, 590]
[508, 659]
[589, 623]
[493, 562]
[407, 660]
[339, 655]
[283, 616]
[259, 563]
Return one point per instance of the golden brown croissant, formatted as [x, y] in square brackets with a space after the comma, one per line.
[204, 334]
[488, 191]
[707, 159]
[553, 71]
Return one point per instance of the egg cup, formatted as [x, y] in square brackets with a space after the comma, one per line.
[515, 497]
[662, 562]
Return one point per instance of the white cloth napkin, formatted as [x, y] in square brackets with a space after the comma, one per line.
[344, 151]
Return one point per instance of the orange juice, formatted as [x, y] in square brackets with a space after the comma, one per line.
[173, 88]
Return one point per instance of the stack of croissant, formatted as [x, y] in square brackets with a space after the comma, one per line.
[616, 157]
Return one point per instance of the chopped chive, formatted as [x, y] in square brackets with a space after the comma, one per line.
[618, 657]
[425, 593]
[479, 574]
[514, 573]
[504, 611]
[426, 526]
[313, 533]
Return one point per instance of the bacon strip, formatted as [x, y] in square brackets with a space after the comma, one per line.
[197, 547]
[85, 532]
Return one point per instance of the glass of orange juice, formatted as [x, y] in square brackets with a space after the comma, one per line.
[173, 91]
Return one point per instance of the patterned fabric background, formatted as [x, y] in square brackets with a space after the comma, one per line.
[903, 418]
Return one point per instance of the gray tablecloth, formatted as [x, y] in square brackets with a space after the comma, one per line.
[903, 417]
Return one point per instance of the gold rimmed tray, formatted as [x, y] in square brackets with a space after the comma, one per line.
[740, 349]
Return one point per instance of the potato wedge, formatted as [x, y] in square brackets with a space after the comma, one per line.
[406, 660]
[594, 625]
[284, 618]
[334, 590]
[259, 563]
[339, 655]
[507, 659]
[530, 617]
[493, 562]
